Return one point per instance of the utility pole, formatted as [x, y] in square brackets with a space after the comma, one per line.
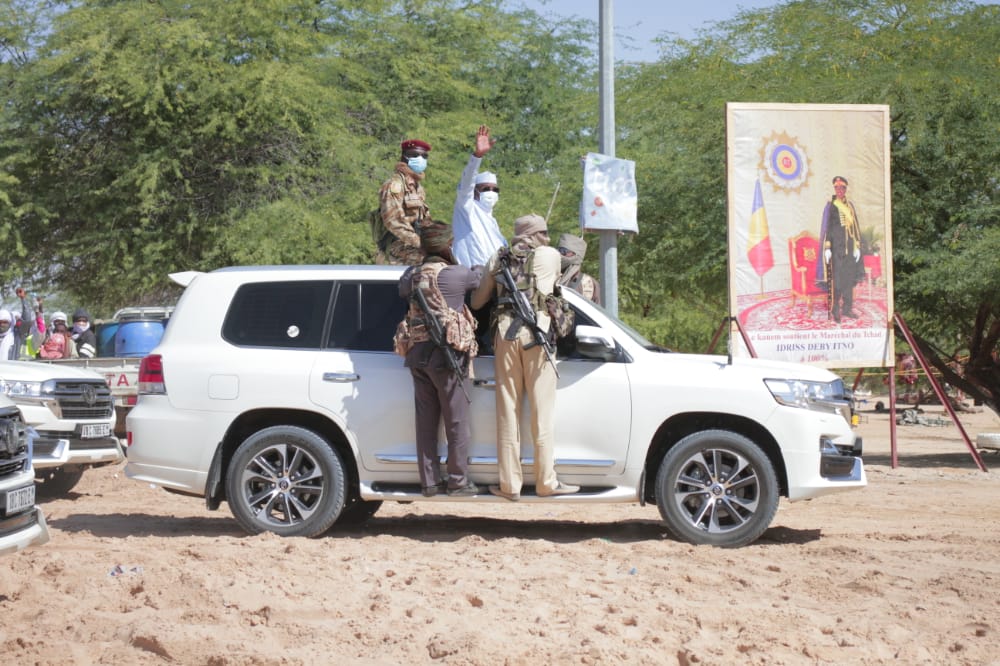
[606, 146]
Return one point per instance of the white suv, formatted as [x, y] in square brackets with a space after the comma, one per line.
[73, 412]
[22, 524]
[276, 389]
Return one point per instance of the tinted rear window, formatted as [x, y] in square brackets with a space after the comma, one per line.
[365, 316]
[278, 314]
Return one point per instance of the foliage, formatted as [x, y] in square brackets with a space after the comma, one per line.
[150, 137]
[141, 138]
[932, 61]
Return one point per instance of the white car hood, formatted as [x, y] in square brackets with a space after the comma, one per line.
[35, 371]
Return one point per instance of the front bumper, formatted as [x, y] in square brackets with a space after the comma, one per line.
[22, 530]
[96, 451]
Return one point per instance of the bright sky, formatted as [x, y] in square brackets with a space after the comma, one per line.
[642, 20]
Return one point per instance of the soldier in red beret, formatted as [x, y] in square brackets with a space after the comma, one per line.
[402, 207]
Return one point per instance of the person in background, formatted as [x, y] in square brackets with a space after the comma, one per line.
[521, 365]
[403, 207]
[438, 390]
[572, 250]
[83, 335]
[58, 339]
[13, 332]
[477, 233]
[36, 337]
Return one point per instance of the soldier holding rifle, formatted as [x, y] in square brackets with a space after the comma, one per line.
[442, 333]
[523, 361]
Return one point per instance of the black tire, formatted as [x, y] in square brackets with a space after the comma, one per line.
[717, 488]
[53, 482]
[286, 480]
[357, 512]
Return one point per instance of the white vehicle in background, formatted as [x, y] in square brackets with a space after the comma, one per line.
[72, 411]
[276, 390]
[22, 524]
[121, 344]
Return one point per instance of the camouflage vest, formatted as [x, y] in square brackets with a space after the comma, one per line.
[522, 270]
[459, 327]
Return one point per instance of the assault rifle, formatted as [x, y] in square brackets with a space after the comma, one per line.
[440, 340]
[525, 312]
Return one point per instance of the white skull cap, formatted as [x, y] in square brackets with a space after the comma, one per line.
[486, 177]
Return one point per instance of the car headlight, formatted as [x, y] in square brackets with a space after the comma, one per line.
[18, 389]
[819, 396]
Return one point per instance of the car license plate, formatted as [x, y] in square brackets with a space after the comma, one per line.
[92, 430]
[20, 499]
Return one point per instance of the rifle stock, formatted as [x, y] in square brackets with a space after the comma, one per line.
[440, 340]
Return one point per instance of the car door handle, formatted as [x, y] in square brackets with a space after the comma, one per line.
[491, 382]
[341, 377]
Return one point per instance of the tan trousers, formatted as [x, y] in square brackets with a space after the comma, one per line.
[524, 372]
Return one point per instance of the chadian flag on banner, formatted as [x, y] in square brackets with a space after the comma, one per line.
[759, 241]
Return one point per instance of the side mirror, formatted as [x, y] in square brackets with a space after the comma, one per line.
[593, 342]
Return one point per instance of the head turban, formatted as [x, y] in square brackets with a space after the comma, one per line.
[574, 244]
[526, 225]
[435, 236]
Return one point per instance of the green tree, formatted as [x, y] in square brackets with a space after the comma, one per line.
[933, 61]
[149, 137]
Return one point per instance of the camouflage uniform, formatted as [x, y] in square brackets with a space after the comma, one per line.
[401, 203]
[438, 393]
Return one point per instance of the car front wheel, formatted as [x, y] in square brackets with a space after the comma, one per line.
[717, 488]
[286, 480]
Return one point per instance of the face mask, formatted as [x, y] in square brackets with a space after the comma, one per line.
[417, 164]
[489, 199]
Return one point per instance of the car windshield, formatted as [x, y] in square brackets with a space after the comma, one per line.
[636, 336]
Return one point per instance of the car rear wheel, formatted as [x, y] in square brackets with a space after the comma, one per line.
[286, 480]
[717, 488]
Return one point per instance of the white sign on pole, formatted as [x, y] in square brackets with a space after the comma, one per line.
[610, 200]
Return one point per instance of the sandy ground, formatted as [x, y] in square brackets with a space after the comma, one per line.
[906, 571]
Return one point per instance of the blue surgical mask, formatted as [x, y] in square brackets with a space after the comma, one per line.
[417, 164]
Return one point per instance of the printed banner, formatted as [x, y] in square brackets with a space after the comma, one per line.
[810, 236]
[610, 200]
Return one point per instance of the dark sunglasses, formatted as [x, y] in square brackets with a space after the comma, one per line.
[488, 188]
[412, 154]
[566, 252]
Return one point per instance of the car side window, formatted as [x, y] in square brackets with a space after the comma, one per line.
[278, 314]
[365, 315]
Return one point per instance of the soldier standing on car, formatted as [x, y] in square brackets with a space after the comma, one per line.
[438, 386]
[572, 250]
[402, 207]
[521, 365]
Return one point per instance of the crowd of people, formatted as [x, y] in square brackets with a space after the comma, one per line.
[24, 333]
[453, 271]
